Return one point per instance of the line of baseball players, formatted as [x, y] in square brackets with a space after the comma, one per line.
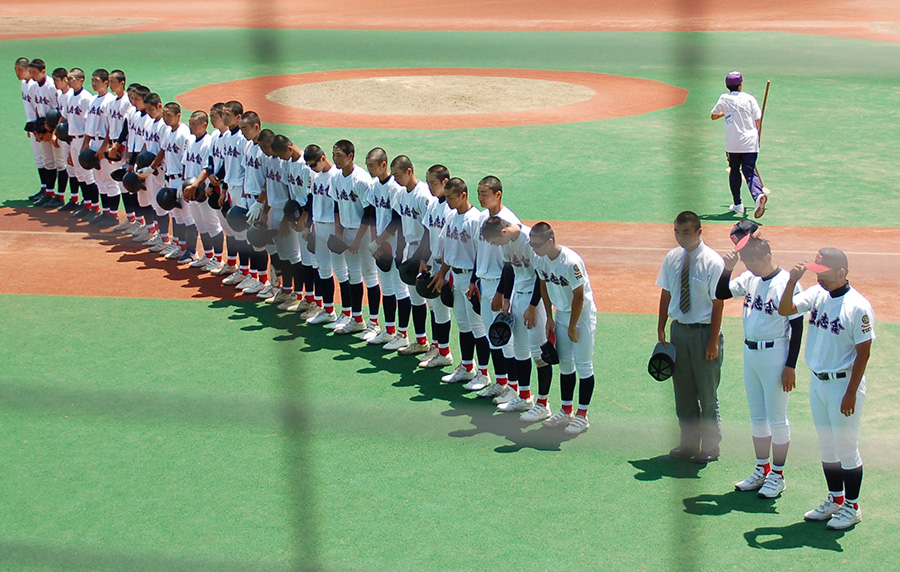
[256, 200]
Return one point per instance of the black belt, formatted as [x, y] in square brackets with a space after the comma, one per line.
[692, 326]
[833, 375]
[759, 345]
[460, 270]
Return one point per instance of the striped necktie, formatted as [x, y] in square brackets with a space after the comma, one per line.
[684, 302]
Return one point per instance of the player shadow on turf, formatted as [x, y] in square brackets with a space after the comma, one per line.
[727, 216]
[656, 468]
[734, 501]
[798, 535]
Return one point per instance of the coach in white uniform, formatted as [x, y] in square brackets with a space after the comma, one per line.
[841, 330]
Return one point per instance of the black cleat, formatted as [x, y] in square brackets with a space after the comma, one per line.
[53, 203]
[68, 207]
[79, 211]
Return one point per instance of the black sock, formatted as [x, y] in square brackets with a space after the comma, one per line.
[190, 238]
[404, 308]
[356, 298]
[217, 242]
[567, 386]
[114, 204]
[545, 379]
[523, 369]
[834, 476]
[346, 296]
[420, 317]
[390, 309]
[467, 345]
[852, 482]
[585, 390]
[483, 348]
[373, 293]
[442, 332]
[309, 278]
[499, 362]
[62, 179]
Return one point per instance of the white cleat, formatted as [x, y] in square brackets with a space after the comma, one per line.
[845, 517]
[773, 486]
[141, 235]
[517, 404]
[175, 254]
[415, 348]
[199, 263]
[236, 278]
[491, 391]
[372, 330]
[268, 291]
[382, 338]
[342, 321]
[537, 413]
[310, 312]
[459, 374]
[280, 297]
[221, 269]
[122, 226]
[289, 301]
[478, 382]
[246, 282]
[351, 327]
[429, 355]
[558, 420]
[322, 317]
[255, 288]
[754, 481]
[737, 209]
[507, 395]
[397, 343]
[438, 361]
[825, 510]
[577, 425]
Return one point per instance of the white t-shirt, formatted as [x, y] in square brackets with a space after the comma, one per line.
[136, 130]
[836, 326]
[741, 112]
[349, 192]
[119, 110]
[706, 267]
[489, 258]
[456, 245]
[762, 322]
[562, 276]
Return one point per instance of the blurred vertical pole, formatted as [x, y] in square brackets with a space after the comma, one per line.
[298, 459]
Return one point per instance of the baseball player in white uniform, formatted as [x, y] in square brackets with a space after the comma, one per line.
[841, 331]
[299, 180]
[153, 176]
[383, 194]
[173, 143]
[254, 164]
[76, 115]
[196, 157]
[488, 271]
[743, 118]
[353, 221]
[142, 217]
[96, 131]
[565, 285]
[517, 290]
[771, 348]
[321, 207]
[23, 74]
[287, 242]
[456, 251]
[113, 149]
[64, 171]
[43, 99]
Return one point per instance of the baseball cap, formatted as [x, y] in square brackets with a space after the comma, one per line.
[828, 259]
[741, 233]
[734, 78]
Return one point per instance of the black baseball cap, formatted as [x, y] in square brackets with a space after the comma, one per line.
[741, 233]
[828, 259]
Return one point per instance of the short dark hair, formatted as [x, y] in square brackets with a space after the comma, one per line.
[37, 64]
[543, 232]
[101, 73]
[200, 115]
[401, 162]
[235, 107]
[688, 217]
[265, 136]
[492, 227]
[118, 75]
[280, 143]
[172, 108]
[313, 154]
[439, 171]
[756, 249]
[491, 182]
[142, 91]
[217, 108]
[377, 154]
[456, 186]
[346, 147]
[77, 72]
[251, 117]
[60, 73]
[152, 99]
[22, 62]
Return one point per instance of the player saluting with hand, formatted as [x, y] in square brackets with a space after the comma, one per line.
[841, 330]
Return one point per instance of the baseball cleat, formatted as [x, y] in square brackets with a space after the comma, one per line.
[42, 200]
[341, 321]
[350, 327]
[322, 317]
[825, 510]
[761, 201]
[286, 300]
[156, 241]
[53, 203]
[222, 269]
[160, 247]
[382, 338]
[310, 312]
[247, 281]
[141, 234]
[845, 517]
[68, 207]
[428, 356]
[491, 390]
[268, 291]
[517, 404]
[234, 279]
[578, 424]
[438, 361]
[478, 382]
[175, 254]
[295, 304]
[78, 211]
[414, 348]
[558, 420]
[123, 226]
[255, 287]
[506, 395]
[397, 343]
[278, 297]
[37, 195]
[459, 374]
[537, 413]
[773, 486]
[754, 481]
[371, 331]
[200, 262]
[188, 258]
[737, 209]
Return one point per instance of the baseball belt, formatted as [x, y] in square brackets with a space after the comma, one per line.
[759, 345]
[831, 375]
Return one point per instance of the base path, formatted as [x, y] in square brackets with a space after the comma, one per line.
[50, 255]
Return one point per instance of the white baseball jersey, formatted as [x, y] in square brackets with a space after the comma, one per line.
[299, 180]
[153, 131]
[434, 219]
[349, 194]
[174, 142]
[563, 275]
[44, 97]
[836, 325]
[520, 255]
[706, 267]
[137, 126]
[119, 110]
[97, 125]
[741, 112]
[323, 204]
[77, 110]
[277, 190]
[196, 155]
[489, 258]
[26, 99]
[457, 239]
[62, 100]
[234, 146]
[412, 205]
[254, 169]
[761, 298]
[383, 195]
[216, 157]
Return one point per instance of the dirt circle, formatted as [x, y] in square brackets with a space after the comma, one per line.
[432, 95]
[439, 98]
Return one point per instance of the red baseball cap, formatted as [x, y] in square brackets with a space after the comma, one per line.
[828, 259]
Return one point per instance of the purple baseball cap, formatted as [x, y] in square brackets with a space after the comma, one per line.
[733, 79]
